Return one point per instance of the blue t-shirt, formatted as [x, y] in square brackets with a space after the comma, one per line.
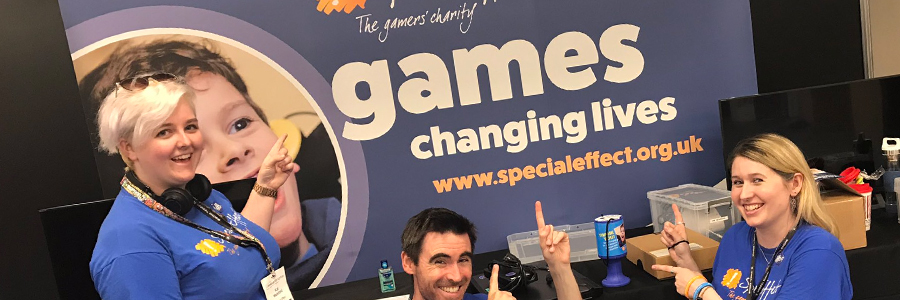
[142, 254]
[475, 297]
[814, 266]
[469, 296]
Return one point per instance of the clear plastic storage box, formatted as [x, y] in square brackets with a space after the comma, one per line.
[582, 243]
[706, 210]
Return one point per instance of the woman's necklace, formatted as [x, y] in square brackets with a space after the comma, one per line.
[754, 292]
[764, 255]
[778, 259]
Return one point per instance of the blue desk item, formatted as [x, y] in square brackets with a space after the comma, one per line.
[610, 231]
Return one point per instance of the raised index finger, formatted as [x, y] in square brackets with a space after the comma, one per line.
[494, 286]
[278, 145]
[539, 214]
[678, 219]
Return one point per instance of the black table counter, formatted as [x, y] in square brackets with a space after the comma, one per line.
[874, 269]
[873, 272]
[642, 286]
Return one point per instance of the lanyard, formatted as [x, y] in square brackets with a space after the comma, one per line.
[753, 293]
[244, 240]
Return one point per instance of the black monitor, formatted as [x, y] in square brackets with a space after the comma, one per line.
[71, 232]
[826, 122]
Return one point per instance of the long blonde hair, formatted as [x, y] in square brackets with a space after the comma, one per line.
[782, 156]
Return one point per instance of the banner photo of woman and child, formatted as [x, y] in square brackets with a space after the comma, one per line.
[479, 106]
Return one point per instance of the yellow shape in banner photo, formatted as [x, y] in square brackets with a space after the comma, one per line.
[209, 247]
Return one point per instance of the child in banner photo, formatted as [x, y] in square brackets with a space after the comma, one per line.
[237, 137]
[620, 235]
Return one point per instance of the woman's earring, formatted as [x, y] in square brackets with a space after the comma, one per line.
[794, 204]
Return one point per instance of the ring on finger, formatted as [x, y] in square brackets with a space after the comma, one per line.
[679, 223]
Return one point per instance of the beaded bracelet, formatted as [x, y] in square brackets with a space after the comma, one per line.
[700, 289]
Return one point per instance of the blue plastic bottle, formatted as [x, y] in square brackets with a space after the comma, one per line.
[386, 277]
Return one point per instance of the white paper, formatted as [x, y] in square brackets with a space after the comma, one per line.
[275, 286]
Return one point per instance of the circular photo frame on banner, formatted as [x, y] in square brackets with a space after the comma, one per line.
[244, 103]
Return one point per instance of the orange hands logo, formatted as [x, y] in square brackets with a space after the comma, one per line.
[209, 247]
[731, 278]
[327, 6]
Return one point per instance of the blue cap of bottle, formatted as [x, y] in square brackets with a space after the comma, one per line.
[384, 264]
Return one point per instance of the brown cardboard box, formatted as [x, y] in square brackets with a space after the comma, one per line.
[649, 250]
[848, 209]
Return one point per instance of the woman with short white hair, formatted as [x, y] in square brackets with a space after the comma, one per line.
[168, 234]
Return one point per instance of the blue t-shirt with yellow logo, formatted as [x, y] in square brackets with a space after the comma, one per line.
[814, 266]
[142, 254]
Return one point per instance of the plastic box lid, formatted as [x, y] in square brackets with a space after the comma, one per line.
[692, 196]
[706, 210]
[582, 243]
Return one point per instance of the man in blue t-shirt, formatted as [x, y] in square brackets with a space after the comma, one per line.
[438, 246]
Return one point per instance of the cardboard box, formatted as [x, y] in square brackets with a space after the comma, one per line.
[848, 209]
[649, 251]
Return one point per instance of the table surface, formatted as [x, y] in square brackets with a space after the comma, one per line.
[869, 268]
[642, 286]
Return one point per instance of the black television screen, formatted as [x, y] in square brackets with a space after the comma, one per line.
[824, 121]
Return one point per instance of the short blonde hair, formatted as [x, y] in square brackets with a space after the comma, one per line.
[134, 115]
[784, 157]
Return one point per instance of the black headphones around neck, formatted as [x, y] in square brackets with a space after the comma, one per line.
[178, 200]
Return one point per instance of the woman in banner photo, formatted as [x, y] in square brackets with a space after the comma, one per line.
[168, 235]
[236, 139]
[786, 246]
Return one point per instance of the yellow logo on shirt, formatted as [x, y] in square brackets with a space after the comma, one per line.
[731, 278]
[209, 247]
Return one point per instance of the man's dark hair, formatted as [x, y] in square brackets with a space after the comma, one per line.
[173, 56]
[440, 220]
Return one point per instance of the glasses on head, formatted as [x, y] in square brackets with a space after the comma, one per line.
[141, 82]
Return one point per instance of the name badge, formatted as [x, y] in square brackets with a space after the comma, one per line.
[276, 287]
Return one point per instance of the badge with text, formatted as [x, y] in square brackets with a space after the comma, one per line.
[276, 287]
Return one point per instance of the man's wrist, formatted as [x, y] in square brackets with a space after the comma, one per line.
[559, 267]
